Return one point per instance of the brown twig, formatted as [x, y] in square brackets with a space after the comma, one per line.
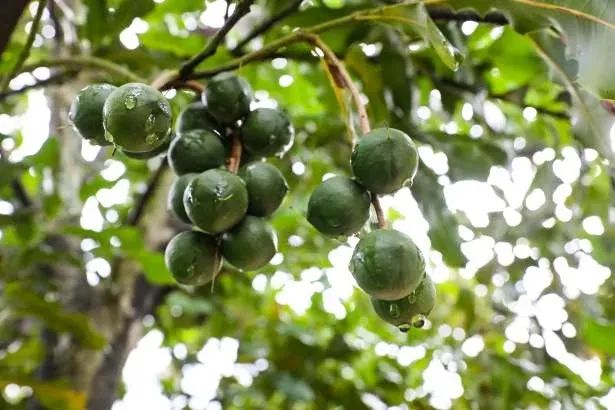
[192, 85]
[184, 85]
[227, 9]
[290, 8]
[241, 9]
[382, 222]
[152, 185]
[439, 13]
[236, 151]
[473, 89]
[20, 193]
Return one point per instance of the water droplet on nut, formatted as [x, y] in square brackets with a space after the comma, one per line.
[130, 101]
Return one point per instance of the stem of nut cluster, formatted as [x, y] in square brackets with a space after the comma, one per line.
[217, 262]
[236, 150]
[185, 85]
[382, 222]
[343, 79]
[192, 85]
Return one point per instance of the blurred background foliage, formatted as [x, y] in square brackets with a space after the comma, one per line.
[513, 206]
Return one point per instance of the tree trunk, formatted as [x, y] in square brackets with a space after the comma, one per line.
[136, 299]
[118, 304]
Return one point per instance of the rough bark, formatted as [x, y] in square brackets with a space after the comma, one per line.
[136, 299]
[104, 385]
[76, 294]
[63, 357]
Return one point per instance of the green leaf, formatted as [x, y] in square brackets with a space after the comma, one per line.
[445, 239]
[515, 63]
[468, 158]
[133, 247]
[47, 156]
[153, 266]
[400, 86]
[97, 17]
[599, 335]
[591, 121]
[127, 11]
[25, 358]
[417, 18]
[11, 54]
[449, 55]
[159, 38]
[130, 237]
[27, 228]
[466, 303]
[26, 302]
[442, 223]
[9, 171]
[597, 196]
[588, 28]
[295, 388]
[190, 304]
